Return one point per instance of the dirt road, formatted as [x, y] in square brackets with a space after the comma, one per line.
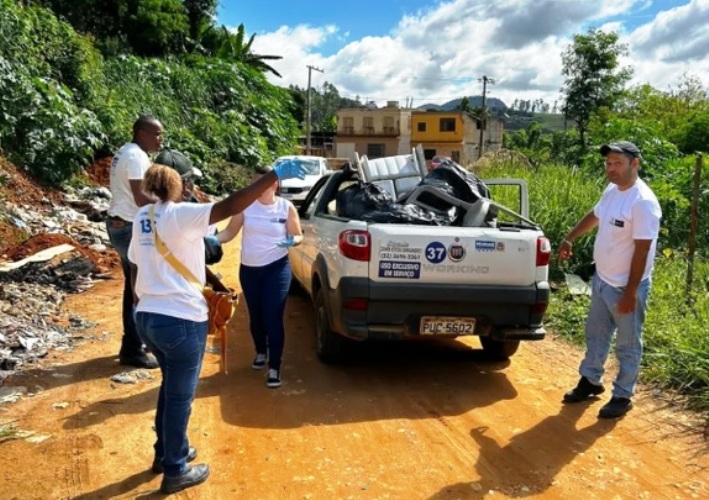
[404, 421]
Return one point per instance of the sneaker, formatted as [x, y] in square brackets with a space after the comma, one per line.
[259, 362]
[616, 407]
[158, 468]
[194, 475]
[274, 378]
[582, 391]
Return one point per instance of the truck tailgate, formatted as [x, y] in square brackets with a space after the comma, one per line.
[455, 255]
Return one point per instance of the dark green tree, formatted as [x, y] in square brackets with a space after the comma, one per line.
[694, 135]
[103, 19]
[593, 77]
[201, 14]
[156, 27]
[144, 27]
[324, 106]
[234, 47]
[298, 109]
[464, 104]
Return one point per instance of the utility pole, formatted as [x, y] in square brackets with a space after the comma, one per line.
[307, 121]
[483, 113]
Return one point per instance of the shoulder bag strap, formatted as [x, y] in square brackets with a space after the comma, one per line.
[169, 257]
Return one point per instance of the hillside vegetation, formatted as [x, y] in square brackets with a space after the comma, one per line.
[63, 102]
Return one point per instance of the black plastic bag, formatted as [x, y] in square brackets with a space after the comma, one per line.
[360, 198]
[456, 181]
[411, 214]
[213, 252]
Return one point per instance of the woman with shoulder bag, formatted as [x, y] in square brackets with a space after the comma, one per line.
[172, 312]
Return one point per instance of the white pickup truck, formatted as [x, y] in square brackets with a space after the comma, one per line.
[390, 281]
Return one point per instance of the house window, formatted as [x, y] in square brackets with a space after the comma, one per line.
[479, 124]
[368, 125]
[389, 124]
[447, 124]
[348, 125]
[375, 150]
[429, 153]
[421, 126]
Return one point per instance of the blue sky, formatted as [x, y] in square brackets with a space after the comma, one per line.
[435, 50]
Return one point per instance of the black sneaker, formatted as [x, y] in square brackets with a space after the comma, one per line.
[259, 362]
[194, 475]
[582, 391]
[158, 468]
[141, 360]
[274, 378]
[616, 407]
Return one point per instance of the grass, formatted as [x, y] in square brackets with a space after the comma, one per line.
[675, 336]
[559, 197]
[8, 431]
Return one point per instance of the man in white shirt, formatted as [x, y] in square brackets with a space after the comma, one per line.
[628, 221]
[127, 169]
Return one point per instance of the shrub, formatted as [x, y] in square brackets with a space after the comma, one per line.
[44, 131]
[558, 198]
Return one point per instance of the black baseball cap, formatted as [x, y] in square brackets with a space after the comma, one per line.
[621, 147]
[178, 161]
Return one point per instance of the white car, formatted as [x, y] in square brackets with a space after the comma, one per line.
[296, 190]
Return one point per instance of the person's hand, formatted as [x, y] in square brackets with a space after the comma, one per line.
[290, 169]
[626, 303]
[565, 250]
[288, 242]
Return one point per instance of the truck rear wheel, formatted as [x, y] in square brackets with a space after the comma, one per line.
[499, 349]
[330, 346]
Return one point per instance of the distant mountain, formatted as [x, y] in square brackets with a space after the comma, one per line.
[491, 103]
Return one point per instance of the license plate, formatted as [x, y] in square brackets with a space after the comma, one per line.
[444, 325]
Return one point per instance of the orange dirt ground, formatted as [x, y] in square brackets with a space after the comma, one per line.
[421, 420]
[431, 420]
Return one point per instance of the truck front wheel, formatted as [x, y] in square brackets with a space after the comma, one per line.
[499, 349]
[330, 346]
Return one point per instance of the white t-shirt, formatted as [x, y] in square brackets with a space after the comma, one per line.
[264, 226]
[159, 286]
[129, 163]
[623, 217]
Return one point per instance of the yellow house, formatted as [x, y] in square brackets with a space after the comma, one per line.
[454, 134]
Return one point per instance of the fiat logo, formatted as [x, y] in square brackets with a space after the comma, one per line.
[456, 253]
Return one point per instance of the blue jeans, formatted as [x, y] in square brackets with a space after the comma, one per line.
[120, 237]
[602, 321]
[178, 345]
[266, 290]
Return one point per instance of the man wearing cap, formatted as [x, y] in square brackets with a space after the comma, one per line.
[189, 173]
[628, 220]
[184, 166]
[127, 169]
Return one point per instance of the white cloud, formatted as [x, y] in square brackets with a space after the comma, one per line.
[672, 44]
[439, 53]
[299, 48]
